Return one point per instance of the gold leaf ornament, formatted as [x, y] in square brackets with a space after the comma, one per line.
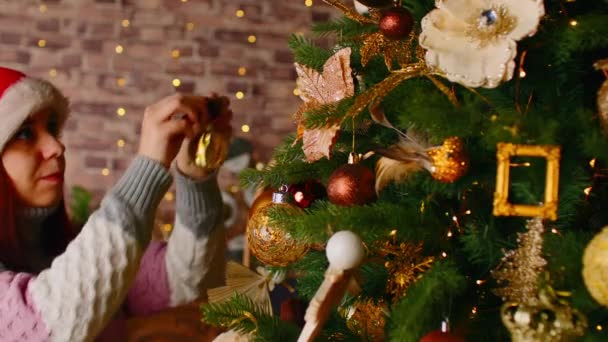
[405, 264]
[331, 86]
[377, 43]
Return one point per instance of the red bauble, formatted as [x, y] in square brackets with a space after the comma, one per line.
[396, 23]
[305, 193]
[440, 336]
[351, 184]
[376, 3]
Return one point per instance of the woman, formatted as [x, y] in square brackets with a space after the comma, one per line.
[59, 286]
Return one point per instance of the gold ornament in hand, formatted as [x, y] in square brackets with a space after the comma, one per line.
[212, 148]
[201, 151]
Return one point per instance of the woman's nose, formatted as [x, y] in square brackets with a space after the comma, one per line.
[51, 146]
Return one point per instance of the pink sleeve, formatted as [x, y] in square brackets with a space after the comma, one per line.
[19, 319]
[150, 291]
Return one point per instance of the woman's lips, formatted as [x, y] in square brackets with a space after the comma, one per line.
[54, 177]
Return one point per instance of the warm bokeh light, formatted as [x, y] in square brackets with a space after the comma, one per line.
[169, 196]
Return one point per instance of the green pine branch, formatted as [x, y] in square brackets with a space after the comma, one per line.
[343, 27]
[427, 303]
[242, 314]
[307, 53]
[371, 222]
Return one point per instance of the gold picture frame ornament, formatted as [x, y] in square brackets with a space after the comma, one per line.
[548, 209]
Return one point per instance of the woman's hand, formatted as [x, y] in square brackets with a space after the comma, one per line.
[167, 123]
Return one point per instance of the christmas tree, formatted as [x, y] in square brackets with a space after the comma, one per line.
[464, 144]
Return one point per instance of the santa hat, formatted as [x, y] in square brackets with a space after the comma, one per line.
[22, 96]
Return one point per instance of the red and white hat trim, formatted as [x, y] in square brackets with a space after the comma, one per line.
[21, 96]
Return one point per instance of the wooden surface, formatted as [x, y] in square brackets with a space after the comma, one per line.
[176, 324]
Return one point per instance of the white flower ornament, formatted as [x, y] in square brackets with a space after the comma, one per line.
[473, 42]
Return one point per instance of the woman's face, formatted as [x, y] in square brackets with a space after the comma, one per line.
[34, 161]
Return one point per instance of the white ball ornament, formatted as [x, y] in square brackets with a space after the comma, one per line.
[361, 8]
[344, 250]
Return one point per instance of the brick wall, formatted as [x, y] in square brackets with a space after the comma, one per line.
[203, 43]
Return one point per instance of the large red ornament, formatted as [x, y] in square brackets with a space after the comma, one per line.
[351, 184]
[396, 23]
[376, 3]
[305, 193]
[440, 336]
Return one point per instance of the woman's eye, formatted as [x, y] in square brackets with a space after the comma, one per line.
[25, 133]
[53, 128]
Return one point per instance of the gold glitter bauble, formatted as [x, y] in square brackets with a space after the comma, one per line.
[595, 267]
[367, 319]
[263, 198]
[272, 245]
[449, 161]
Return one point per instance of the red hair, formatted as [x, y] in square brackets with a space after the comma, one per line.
[57, 230]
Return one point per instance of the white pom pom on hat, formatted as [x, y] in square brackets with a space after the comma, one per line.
[22, 96]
